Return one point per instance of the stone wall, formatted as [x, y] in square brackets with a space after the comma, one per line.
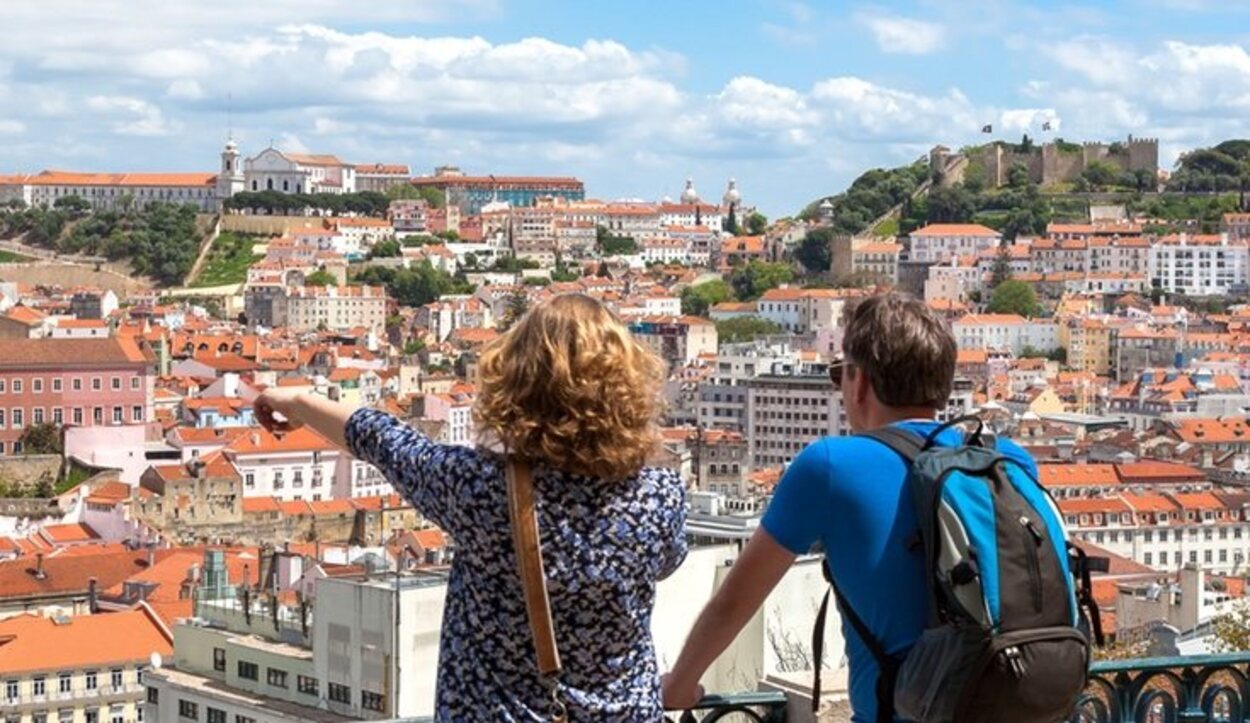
[65, 274]
[268, 225]
[24, 471]
[1059, 166]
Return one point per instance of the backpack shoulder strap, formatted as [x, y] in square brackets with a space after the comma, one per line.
[887, 665]
[906, 444]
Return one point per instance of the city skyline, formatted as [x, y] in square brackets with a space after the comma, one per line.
[631, 102]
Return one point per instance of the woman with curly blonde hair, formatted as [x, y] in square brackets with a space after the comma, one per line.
[569, 392]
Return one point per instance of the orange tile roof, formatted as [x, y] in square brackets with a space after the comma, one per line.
[1155, 470]
[955, 229]
[70, 178]
[30, 642]
[66, 574]
[109, 493]
[1198, 501]
[430, 538]
[25, 315]
[1077, 475]
[1214, 431]
[1149, 502]
[71, 532]
[260, 441]
[260, 505]
[1110, 505]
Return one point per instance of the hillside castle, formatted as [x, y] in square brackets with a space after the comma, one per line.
[1049, 163]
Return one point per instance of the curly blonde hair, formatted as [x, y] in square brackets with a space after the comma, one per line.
[568, 385]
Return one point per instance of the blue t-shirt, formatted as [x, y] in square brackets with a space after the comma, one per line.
[849, 493]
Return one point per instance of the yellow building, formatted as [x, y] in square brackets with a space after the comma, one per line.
[1090, 344]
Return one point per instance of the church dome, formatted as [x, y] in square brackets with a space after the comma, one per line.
[689, 195]
[732, 195]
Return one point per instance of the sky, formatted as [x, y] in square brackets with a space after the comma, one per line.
[793, 99]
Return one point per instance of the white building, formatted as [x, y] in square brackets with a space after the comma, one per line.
[286, 172]
[113, 191]
[665, 250]
[1004, 332]
[332, 307]
[455, 409]
[878, 259]
[1199, 265]
[299, 465]
[941, 242]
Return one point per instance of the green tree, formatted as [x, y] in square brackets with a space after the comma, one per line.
[952, 204]
[731, 223]
[413, 347]
[43, 438]
[386, 249]
[751, 281]
[815, 252]
[1001, 271]
[321, 277]
[44, 488]
[744, 328]
[518, 304]
[757, 223]
[76, 206]
[697, 300]
[1018, 175]
[1014, 297]
[1100, 174]
[415, 286]
[611, 245]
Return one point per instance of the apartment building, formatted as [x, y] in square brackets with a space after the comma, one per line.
[677, 340]
[81, 668]
[878, 260]
[455, 410]
[787, 409]
[941, 242]
[1199, 264]
[1009, 332]
[298, 465]
[78, 382]
[337, 308]
[241, 661]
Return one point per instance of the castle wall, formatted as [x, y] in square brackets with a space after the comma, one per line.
[1058, 166]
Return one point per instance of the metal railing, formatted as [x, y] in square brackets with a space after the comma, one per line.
[762, 707]
[1167, 690]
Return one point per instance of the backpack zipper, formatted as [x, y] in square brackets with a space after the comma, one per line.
[1032, 539]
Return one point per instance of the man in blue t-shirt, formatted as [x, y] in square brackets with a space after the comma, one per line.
[848, 493]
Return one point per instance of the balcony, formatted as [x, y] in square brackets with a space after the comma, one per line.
[1167, 690]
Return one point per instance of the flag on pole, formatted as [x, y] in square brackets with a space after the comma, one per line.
[987, 128]
[1046, 125]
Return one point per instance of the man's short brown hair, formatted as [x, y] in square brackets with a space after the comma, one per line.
[906, 350]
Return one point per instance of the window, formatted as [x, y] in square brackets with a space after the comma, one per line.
[188, 709]
[1223, 555]
[248, 671]
[154, 695]
[1, 419]
[372, 701]
[17, 386]
[77, 415]
[1207, 533]
[36, 386]
[90, 679]
[97, 384]
[219, 659]
[36, 415]
[117, 415]
[1148, 558]
[249, 479]
[10, 689]
[40, 686]
[117, 384]
[243, 719]
[275, 677]
[1150, 536]
[134, 382]
[1163, 558]
[216, 716]
[97, 416]
[94, 716]
[136, 413]
[56, 384]
[1206, 556]
[306, 685]
[1193, 555]
[65, 715]
[18, 420]
[39, 718]
[65, 682]
[76, 383]
[340, 693]
[2, 385]
[116, 675]
[58, 416]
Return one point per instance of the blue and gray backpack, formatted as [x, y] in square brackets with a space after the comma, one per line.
[1007, 637]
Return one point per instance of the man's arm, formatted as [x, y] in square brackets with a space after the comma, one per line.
[754, 575]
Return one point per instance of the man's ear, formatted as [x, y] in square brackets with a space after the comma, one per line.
[861, 387]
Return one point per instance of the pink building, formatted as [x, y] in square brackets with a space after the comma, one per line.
[73, 382]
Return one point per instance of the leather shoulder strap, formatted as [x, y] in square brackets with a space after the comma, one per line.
[530, 565]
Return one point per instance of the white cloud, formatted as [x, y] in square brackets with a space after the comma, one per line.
[904, 35]
[12, 127]
[1027, 120]
[1101, 60]
[144, 119]
[185, 89]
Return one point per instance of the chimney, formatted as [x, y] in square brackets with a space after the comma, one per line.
[39, 573]
[91, 594]
[151, 559]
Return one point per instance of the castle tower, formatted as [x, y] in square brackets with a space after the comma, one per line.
[230, 177]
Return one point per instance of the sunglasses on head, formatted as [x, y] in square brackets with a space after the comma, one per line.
[836, 366]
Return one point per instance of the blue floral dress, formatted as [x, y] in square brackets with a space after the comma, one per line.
[604, 548]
